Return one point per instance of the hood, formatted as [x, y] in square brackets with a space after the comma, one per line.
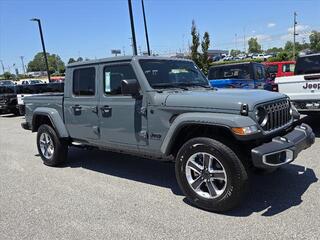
[226, 99]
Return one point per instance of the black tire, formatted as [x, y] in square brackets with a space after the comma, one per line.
[236, 176]
[60, 146]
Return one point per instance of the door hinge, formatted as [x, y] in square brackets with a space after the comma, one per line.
[143, 111]
[143, 134]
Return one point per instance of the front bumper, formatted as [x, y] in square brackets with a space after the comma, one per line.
[26, 126]
[283, 150]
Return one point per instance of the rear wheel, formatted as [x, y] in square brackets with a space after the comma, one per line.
[210, 174]
[51, 148]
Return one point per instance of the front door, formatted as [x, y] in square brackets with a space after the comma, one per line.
[121, 120]
[81, 106]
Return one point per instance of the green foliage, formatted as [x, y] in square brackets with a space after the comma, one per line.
[8, 75]
[79, 59]
[204, 57]
[195, 56]
[274, 50]
[54, 61]
[71, 60]
[201, 59]
[254, 46]
[315, 41]
[282, 56]
[234, 52]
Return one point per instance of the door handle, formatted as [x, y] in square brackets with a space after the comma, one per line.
[77, 108]
[106, 110]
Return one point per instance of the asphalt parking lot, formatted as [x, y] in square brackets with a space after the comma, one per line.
[101, 195]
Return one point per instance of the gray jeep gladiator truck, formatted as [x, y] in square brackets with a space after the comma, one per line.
[164, 108]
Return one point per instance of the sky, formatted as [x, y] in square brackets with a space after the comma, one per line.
[91, 28]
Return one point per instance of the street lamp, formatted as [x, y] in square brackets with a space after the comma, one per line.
[43, 47]
[145, 27]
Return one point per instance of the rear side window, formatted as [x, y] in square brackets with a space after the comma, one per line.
[272, 69]
[308, 65]
[259, 72]
[84, 81]
[288, 67]
[113, 75]
[230, 72]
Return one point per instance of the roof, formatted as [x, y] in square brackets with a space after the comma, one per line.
[120, 59]
[234, 64]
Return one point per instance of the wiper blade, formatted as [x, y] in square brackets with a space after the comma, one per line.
[165, 85]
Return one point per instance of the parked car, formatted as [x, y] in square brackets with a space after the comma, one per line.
[248, 75]
[280, 69]
[261, 56]
[8, 99]
[6, 83]
[34, 89]
[164, 108]
[31, 81]
[304, 87]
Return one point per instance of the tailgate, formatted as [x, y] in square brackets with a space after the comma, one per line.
[300, 87]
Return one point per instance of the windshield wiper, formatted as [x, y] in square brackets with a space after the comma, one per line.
[167, 85]
[196, 85]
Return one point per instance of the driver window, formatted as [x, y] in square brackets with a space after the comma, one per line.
[113, 75]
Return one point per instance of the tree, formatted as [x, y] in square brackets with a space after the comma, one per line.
[274, 50]
[315, 41]
[254, 46]
[205, 58]
[234, 52]
[8, 75]
[79, 59]
[195, 44]
[38, 63]
[71, 60]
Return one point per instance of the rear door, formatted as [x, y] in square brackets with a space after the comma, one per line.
[81, 104]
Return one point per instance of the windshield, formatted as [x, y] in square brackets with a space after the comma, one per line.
[172, 73]
[229, 72]
[308, 65]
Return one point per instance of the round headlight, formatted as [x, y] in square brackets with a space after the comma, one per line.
[261, 116]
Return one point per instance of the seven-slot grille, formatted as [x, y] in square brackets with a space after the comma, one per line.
[278, 114]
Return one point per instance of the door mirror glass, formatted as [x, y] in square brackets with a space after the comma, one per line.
[130, 87]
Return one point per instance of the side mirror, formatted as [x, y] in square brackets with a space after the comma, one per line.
[273, 76]
[130, 87]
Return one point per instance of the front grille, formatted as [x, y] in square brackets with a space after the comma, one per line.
[278, 114]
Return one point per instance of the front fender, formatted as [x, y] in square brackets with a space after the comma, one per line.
[213, 119]
[55, 119]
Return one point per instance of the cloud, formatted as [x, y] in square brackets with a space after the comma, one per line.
[271, 25]
[303, 31]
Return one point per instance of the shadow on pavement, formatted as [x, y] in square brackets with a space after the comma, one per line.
[276, 192]
[125, 166]
[313, 122]
[270, 193]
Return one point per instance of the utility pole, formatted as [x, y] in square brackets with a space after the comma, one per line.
[134, 43]
[23, 68]
[244, 40]
[2, 66]
[145, 27]
[43, 46]
[294, 35]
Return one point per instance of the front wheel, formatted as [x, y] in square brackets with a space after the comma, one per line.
[210, 174]
[51, 148]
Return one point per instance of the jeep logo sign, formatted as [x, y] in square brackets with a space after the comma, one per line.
[312, 86]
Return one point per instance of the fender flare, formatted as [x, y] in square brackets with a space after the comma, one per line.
[213, 119]
[55, 119]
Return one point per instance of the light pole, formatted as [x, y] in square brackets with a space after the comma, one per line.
[134, 43]
[43, 46]
[145, 27]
